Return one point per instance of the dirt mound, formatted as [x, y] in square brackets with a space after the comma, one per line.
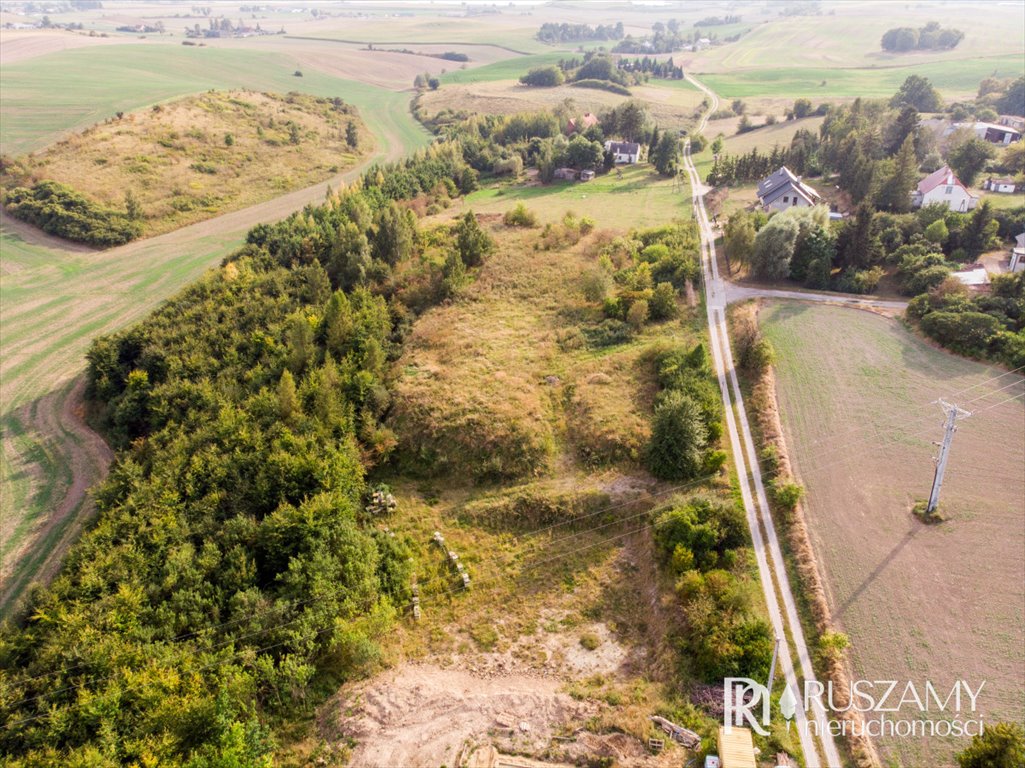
[425, 715]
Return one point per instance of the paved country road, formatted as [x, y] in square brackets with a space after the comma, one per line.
[779, 596]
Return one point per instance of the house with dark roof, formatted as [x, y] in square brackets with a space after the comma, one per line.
[624, 151]
[784, 190]
[943, 186]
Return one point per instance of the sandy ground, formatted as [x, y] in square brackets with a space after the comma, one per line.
[442, 711]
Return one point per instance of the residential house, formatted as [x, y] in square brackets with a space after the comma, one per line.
[784, 190]
[1005, 184]
[588, 120]
[624, 151]
[943, 186]
[1018, 254]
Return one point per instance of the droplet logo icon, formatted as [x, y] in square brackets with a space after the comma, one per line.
[788, 705]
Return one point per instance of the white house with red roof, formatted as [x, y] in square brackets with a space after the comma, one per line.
[943, 186]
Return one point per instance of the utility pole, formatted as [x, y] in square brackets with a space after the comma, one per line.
[950, 427]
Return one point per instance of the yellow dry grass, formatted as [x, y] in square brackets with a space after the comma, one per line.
[202, 155]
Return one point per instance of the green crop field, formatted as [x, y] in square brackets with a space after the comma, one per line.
[920, 602]
[951, 78]
[47, 96]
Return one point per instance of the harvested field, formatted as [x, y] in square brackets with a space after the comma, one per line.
[919, 602]
[670, 104]
[18, 45]
[207, 154]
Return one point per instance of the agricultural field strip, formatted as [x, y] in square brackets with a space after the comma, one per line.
[723, 357]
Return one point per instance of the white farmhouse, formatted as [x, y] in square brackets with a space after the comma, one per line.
[784, 190]
[624, 151]
[943, 186]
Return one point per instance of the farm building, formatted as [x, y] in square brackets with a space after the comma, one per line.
[996, 134]
[784, 190]
[565, 173]
[736, 748]
[1018, 254]
[624, 151]
[943, 186]
[1013, 121]
[1005, 184]
[586, 175]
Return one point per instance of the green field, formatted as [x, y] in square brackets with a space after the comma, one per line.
[510, 69]
[49, 95]
[951, 78]
[639, 199]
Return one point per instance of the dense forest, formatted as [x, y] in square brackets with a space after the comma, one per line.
[231, 575]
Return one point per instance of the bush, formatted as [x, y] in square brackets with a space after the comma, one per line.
[544, 77]
[595, 284]
[637, 315]
[786, 495]
[678, 438]
[969, 333]
[608, 333]
[590, 641]
[603, 85]
[59, 210]
[999, 746]
[520, 216]
[662, 305]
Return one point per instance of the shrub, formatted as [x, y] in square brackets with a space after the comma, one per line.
[603, 85]
[999, 746]
[58, 209]
[786, 495]
[969, 333]
[608, 333]
[520, 216]
[590, 641]
[678, 438]
[544, 77]
[595, 284]
[637, 315]
[662, 305]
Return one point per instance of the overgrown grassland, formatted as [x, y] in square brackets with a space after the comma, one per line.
[202, 155]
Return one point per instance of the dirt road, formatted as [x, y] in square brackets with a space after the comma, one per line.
[779, 597]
